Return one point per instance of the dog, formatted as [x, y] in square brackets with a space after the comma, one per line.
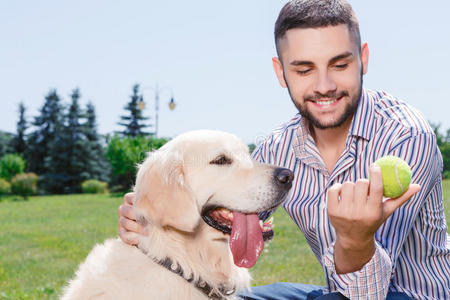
[198, 197]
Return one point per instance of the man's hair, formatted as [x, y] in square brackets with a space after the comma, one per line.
[316, 14]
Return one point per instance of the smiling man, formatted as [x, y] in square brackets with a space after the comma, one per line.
[369, 247]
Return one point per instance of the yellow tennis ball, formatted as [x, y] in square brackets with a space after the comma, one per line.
[396, 175]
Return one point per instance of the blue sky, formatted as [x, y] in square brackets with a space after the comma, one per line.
[215, 56]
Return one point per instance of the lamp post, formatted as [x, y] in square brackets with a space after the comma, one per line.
[157, 90]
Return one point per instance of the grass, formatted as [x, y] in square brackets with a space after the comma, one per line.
[43, 240]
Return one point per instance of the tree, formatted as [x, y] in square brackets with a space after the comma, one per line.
[48, 126]
[125, 153]
[133, 122]
[5, 143]
[19, 144]
[68, 153]
[444, 146]
[97, 166]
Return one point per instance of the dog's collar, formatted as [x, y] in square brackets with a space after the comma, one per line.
[200, 283]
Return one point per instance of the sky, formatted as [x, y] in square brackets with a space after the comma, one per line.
[214, 57]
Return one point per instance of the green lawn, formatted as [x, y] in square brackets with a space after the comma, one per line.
[44, 239]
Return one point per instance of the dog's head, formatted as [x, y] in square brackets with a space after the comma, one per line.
[208, 176]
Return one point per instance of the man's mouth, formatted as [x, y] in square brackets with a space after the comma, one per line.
[247, 233]
[327, 102]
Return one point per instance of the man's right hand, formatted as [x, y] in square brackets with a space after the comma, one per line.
[129, 229]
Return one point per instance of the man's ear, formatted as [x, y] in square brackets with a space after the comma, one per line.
[162, 196]
[365, 58]
[278, 68]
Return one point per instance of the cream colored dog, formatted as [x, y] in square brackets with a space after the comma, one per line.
[198, 195]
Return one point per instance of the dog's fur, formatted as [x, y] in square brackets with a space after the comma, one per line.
[173, 186]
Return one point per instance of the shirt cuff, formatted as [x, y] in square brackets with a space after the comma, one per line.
[371, 282]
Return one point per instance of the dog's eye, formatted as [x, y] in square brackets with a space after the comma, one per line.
[221, 160]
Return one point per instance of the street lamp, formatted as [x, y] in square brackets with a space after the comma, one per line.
[157, 90]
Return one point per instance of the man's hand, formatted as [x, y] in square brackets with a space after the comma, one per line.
[356, 211]
[128, 227]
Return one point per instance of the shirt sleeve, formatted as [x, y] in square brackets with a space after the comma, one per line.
[371, 282]
[420, 151]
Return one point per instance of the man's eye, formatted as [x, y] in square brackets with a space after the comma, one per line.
[221, 160]
[341, 66]
[303, 72]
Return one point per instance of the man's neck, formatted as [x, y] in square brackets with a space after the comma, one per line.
[331, 142]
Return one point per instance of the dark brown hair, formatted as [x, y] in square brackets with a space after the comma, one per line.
[315, 14]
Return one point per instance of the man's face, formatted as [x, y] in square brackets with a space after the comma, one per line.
[322, 69]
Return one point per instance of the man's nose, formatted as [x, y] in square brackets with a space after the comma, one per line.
[324, 83]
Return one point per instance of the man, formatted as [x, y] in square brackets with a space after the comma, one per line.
[368, 248]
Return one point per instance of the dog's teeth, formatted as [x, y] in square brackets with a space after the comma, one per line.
[261, 224]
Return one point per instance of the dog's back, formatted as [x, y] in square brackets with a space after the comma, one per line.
[114, 270]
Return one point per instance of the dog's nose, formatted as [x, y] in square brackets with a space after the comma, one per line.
[284, 177]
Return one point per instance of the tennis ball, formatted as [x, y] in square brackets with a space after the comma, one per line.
[396, 175]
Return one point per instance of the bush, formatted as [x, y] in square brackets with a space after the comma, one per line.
[125, 153]
[5, 187]
[11, 165]
[24, 184]
[93, 186]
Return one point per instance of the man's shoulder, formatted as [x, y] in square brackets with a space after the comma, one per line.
[284, 130]
[281, 135]
[389, 110]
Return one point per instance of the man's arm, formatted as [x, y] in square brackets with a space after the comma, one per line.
[356, 211]
[420, 151]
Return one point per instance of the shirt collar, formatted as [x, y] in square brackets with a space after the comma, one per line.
[363, 119]
[361, 126]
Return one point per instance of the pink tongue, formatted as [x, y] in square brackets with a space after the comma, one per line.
[246, 241]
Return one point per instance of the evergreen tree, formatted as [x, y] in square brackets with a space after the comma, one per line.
[47, 126]
[5, 143]
[133, 122]
[18, 143]
[70, 153]
[97, 166]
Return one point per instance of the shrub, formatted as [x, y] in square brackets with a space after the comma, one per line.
[24, 184]
[5, 187]
[93, 186]
[11, 165]
[125, 153]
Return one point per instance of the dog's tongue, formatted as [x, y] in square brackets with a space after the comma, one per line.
[246, 241]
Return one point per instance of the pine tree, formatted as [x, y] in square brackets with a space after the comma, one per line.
[97, 166]
[18, 143]
[76, 154]
[47, 125]
[133, 123]
[56, 179]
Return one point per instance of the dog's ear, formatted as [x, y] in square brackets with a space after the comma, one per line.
[162, 196]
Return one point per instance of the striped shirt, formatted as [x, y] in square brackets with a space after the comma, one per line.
[412, 247]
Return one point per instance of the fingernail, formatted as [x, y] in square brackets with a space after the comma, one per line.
[375, 167]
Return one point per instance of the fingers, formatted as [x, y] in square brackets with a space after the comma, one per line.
[375, 187]
[333, 198]
[361, 193]
[128, 198]
[390, 205]
[126, 211]
[130, 225]
[130, 238]
[129, 229]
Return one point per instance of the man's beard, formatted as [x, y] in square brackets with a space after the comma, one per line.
[349, 110]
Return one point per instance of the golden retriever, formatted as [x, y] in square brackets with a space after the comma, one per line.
[199, 196]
